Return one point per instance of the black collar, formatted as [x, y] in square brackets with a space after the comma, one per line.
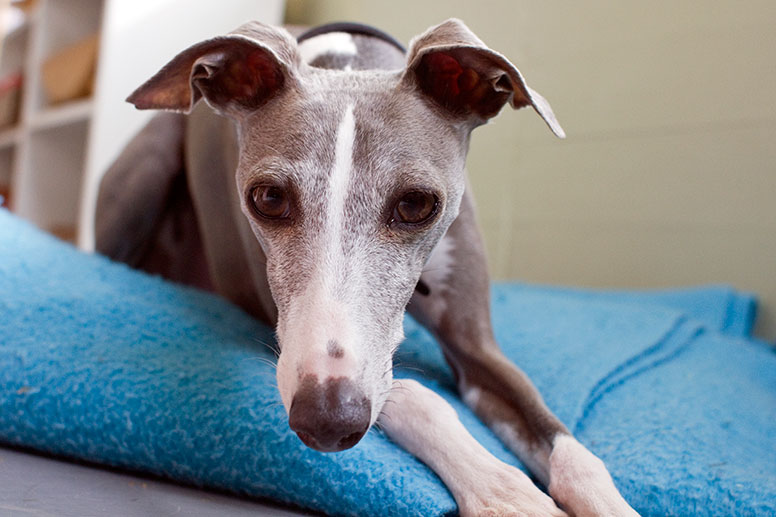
[351, 28]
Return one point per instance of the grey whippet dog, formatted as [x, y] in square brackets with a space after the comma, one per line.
[350, 204]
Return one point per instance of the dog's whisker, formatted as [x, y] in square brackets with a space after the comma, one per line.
[383, 414]
[264, 360]
[386, 392]
[272, 346]
[412, 368]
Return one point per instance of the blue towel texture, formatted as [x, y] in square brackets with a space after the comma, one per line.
[106, 364]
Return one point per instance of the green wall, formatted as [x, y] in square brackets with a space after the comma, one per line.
[668, 174]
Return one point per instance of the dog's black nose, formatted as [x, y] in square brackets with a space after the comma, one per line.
[330, 416]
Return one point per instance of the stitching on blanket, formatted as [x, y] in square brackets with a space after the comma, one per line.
[662, 345]
[627, 363]
[728, 313]
[680, 348]
[620, 374]
[735, 306]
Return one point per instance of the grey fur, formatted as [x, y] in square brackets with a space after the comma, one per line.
[405, 137]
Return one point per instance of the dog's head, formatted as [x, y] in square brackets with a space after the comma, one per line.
[348, 178]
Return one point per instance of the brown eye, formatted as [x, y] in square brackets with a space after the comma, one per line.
[270, 202]
[415, 207]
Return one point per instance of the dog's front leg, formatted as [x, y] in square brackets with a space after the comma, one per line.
[453, 302]
[427, 426]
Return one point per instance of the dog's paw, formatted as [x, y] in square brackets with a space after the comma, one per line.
[581, 484]
[503, 490]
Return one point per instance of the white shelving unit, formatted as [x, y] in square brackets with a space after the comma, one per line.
[42, 158]
[54, 158]
[138, 38]
[12, 60]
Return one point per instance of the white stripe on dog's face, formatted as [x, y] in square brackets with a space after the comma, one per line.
[338, 186]
[322, 320]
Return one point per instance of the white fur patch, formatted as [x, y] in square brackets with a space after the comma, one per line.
[314, 319]
[338, 182]
[580, 482]
[533, 458]
[427, 426]
[439, 264]
[472, 396]
[329, 43]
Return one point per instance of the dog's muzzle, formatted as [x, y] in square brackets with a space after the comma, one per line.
[330, 416]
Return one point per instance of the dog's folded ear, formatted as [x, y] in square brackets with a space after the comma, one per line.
[459, 72]
[235, 73]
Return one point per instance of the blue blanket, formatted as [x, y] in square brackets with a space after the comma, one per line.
[106, 364]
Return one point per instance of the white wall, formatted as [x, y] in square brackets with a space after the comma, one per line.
[138, 38]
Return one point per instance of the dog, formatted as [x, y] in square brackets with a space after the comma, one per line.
[321, 187]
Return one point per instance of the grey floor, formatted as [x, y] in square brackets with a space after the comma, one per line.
[36, 486]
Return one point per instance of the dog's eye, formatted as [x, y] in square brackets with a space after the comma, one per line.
[415, 207]
[270, 202]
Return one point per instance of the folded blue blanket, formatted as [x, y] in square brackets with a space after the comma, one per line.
[107, 364]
